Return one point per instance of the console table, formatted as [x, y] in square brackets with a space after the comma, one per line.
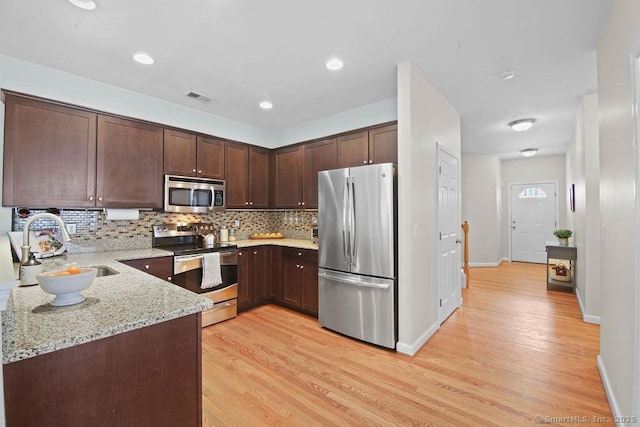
[556, 255]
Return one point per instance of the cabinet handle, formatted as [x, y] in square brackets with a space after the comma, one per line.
[246, 203]
[146, 266]
[199, 171]
[99, 199]
[194, 171]
[239, 253]
[365, 162]
[250, 203]
[169, 278]
[255, 252]
[91, 198]
[301, 267]
[370, 161]
[302, 203]
[299, 253]
[297, 265]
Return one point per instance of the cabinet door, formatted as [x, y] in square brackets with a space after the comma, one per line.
[309, 287]
[260, 273]
[258, 178]
[129, 164]
[288, 177]
[210, 161]
[383, 145]
[179, 153]
[353, 150]
[291, 281]
[49, 155]
[318, 156]
[244, 279]
[237, 173]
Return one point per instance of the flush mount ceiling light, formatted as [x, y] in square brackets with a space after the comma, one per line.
[143, 58]
[84, 4]
[266, 105]
[507, 75]
[334, 64]
[522, 124]
[528, 152]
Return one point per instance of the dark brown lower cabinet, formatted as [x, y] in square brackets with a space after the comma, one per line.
[150, 376]
[254, 276]
[300, 279]
[161, 267]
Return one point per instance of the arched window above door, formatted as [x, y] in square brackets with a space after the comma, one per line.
[532, 193]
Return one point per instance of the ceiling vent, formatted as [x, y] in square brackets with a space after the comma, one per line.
[200, 97]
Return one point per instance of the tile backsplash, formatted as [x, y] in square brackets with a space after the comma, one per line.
[94, 233]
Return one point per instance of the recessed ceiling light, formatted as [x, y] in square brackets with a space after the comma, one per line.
[143, 58]
[266, 105]
[522, 124]
[507, 75]
[528, 152]
[334, 64]
[84, 4]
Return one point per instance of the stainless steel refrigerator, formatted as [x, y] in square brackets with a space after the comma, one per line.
[357, 252]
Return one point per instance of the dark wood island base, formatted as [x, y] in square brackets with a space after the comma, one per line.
[150, 376]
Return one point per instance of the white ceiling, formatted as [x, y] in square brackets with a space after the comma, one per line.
[241, 52]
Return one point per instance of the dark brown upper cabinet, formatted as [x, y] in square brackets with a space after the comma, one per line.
[378, 145]
[296, 173]
[247, 176]
[129, 164]
[186, 154]
[49, 155]
[287, 180]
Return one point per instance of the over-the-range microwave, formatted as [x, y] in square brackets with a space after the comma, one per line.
[186, 194]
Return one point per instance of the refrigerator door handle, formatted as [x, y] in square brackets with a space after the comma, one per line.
[354, 236]
[354, 281]
[345, 225]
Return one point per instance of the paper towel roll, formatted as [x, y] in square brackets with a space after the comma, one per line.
[122, 214]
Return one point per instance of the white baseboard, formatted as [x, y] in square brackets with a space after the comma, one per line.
[487, 264]
[587, 318]
[411, 349]
[613, 403]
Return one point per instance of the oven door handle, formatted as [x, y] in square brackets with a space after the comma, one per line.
[186, 263]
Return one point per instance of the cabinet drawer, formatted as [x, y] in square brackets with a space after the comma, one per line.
[303, 254]
[219, 312]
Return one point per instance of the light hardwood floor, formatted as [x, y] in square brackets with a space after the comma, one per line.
[512, 352]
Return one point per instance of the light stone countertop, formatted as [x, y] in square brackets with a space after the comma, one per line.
[292, 243]
[115, 304]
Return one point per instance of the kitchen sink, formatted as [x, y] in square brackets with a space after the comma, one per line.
[103, 270]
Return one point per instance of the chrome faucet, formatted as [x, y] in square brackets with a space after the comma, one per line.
[26, 245]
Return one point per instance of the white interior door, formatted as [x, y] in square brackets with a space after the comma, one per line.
[449, 234]
[534, 217]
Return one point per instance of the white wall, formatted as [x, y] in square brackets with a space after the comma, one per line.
[425, 118]
[372, 114]
[481, 206]
[582, 164]
[618, 198]
[536, 169]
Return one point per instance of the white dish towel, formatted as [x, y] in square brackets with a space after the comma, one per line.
[211, 274]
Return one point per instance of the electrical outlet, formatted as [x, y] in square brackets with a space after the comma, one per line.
[236, 223]
[71, 228]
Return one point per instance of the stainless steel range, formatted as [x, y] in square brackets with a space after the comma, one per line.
[188, 244]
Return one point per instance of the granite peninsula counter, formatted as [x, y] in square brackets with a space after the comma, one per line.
[115, 304]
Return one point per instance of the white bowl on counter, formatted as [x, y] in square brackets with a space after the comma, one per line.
[66, 287]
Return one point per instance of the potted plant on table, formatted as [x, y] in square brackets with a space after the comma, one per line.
[563, 236]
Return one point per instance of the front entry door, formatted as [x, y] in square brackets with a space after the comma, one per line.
[449, 275]
[533, 219]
